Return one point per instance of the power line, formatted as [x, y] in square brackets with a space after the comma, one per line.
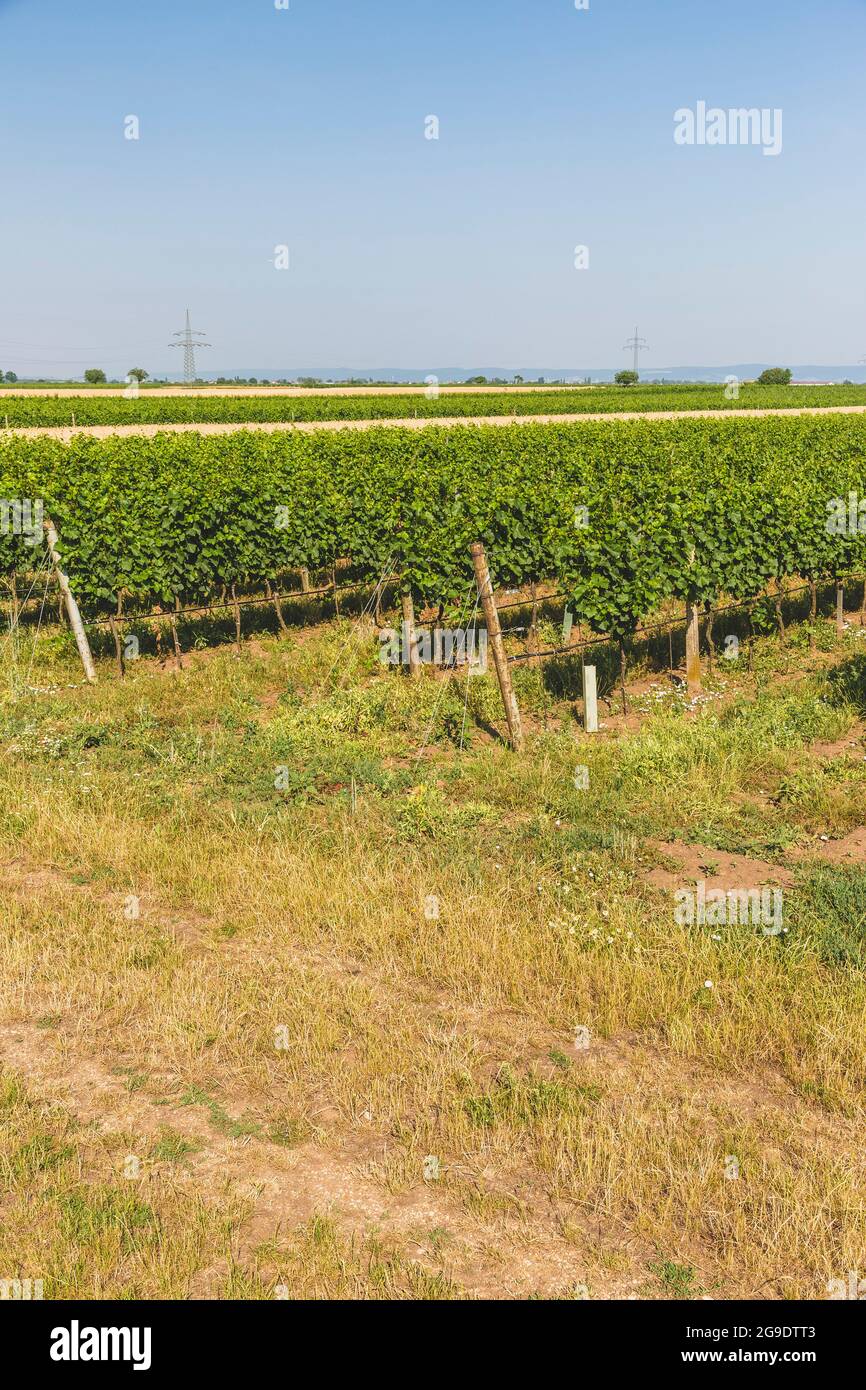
[636, 345]
[186, 336]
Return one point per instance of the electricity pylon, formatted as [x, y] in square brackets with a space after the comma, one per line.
[186, 336]
[636, 345]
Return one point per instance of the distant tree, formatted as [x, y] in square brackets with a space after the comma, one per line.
[11, 376]
[518, 379]
[626, 378]
[94, 375]
[476, 381]
[138, 374]
[775, 376]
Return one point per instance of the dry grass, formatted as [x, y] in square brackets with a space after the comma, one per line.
[238, 988]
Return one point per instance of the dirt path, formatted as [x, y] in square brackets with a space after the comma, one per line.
[66, 433]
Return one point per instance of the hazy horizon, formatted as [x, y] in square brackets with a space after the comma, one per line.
[456, 375]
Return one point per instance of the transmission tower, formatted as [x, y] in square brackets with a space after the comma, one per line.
[186, 336]
[636, 345]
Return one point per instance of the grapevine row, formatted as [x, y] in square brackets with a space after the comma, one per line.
[22, 411]
[621, 515]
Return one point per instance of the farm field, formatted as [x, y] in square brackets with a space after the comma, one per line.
[28, 410]
[312, 987]
[242, 1059]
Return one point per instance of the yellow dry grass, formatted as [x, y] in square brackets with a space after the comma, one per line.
[241, 1061]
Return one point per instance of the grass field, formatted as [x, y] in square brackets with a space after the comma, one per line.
[244, 1057]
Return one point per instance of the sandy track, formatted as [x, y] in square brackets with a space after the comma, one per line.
[65, 433]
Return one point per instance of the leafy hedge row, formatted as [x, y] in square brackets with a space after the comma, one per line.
[199, 409]
[621, 514]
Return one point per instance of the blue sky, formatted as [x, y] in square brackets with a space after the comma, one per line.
[305, 127]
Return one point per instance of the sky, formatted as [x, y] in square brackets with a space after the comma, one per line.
[306, 128]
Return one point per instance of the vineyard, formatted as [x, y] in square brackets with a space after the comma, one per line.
[622, 516]
[242, 896]
[28, 411]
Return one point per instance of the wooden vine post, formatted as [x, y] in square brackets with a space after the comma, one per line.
[113, 621]
[840, 607]
[71, 606]
[693, 639]
[237, 608]
[410, 637]
[494, 636]
[693, 649]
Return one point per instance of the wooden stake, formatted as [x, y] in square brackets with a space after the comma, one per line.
[693, 649]
[157, 637]
[780, 618]
[278, 607]
[61, 606]
[118, 646]
[175, 638]
[532, 638]
[494, 635]
[840, 607]
[410, 639]
[590, 700]
[13, 591]
[71, 606]
[623, 667]
[117, 633]
[237, 609]
[305, 581]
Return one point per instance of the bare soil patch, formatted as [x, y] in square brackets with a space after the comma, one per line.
[696, 863]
